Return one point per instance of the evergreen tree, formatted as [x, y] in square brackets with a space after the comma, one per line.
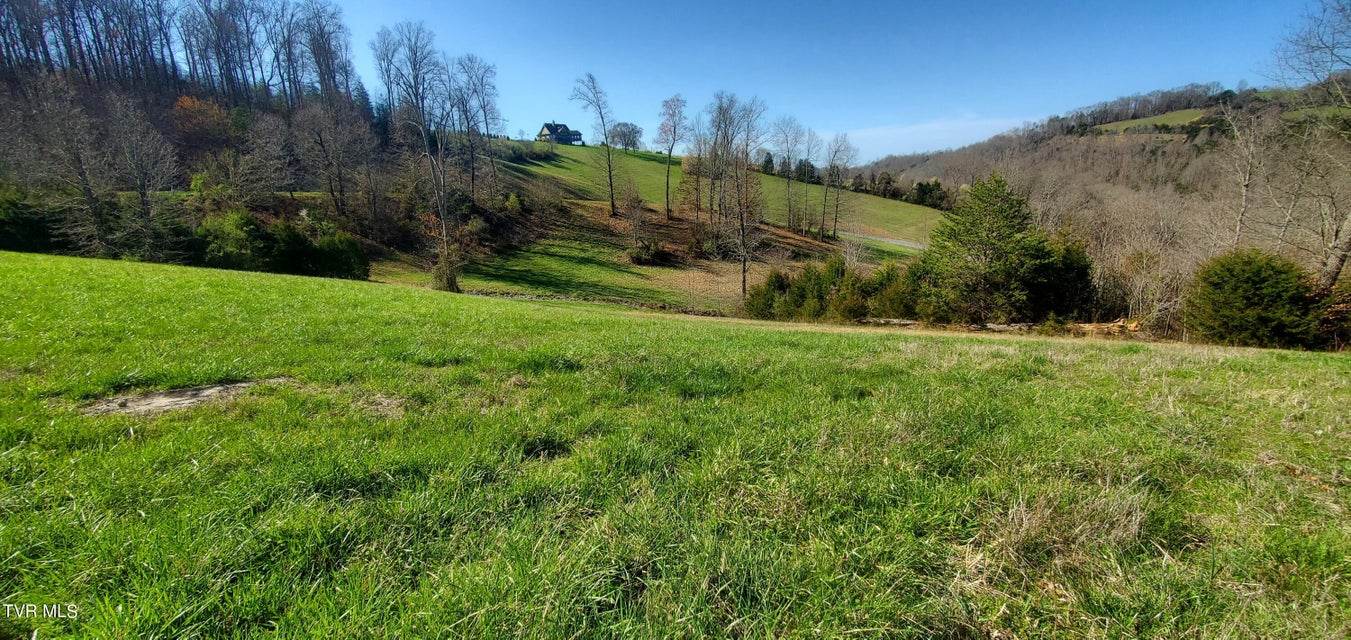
[1252, 298]
[987, 263]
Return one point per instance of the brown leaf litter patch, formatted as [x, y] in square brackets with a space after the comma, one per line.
[1304, 473]
[161, 401]
[382, 405]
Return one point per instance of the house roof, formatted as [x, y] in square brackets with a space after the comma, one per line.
[555, 128]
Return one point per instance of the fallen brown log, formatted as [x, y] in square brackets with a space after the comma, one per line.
[1116, 328]
[891, 322]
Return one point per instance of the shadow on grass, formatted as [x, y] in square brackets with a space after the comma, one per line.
[563, 270]
[558, 282]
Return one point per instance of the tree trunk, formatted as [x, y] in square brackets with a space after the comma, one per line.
[1336, 260]
[835, 226]
[825, 205]
[668, 183]
[610, 176]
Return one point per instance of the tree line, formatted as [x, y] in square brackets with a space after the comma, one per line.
[721, 188]
[1261, 169]
[207, 132]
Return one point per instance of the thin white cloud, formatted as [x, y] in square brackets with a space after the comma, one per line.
[876, 142]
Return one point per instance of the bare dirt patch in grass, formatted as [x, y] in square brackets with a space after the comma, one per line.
[382, 405]
[161, 401]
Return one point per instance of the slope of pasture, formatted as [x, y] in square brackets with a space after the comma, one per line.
[578, 168]
[580, 254]
[1172, 118]
[860, 212]
[434, 465]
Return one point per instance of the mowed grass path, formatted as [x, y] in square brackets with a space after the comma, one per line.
[451, 466]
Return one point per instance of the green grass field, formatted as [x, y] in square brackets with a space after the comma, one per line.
[1172, 118]
[577, 169]
[438, 465]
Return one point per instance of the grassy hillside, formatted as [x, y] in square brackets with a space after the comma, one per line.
[581, 253]
[578, 169]
[1172, 118]
[441, 465]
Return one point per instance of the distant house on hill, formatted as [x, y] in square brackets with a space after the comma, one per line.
[559, 133]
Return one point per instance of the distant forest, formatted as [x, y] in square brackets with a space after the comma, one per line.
[1261, 168]
[235, 133]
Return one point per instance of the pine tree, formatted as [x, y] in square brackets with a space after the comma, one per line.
[982, 256]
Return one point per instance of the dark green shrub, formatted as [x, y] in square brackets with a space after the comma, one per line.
[778, 281]
[988, 263]
[1252, 298]
[847, 305]
[897, 298]
[643, 254]
[880, 279]
[811, 309]
[832, 291]
[895, 301]
[1053, 326]
[291, 250]
[760, 298]
[1334, 320]
[835, 269]
[234, 240]
[759, 301]
[341, 256]
[25, 226]
[1059, 281]
[913, 294]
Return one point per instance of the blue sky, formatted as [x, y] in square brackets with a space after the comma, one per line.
[899, 77]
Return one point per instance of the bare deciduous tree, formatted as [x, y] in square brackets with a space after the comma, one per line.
[333, 142]
[844, 155]
[60, 152]
[481, 118]
[673, 131]
[143, 158]
[811, 146]
[425, 111]
[589, 93]
[1319, 54]
[788, 138]
[627, 135]
[835, 155]
[694, 165]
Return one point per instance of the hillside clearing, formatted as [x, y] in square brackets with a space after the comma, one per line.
[1171, 119]
[558, 469]
[580, 253]
[578, 170]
